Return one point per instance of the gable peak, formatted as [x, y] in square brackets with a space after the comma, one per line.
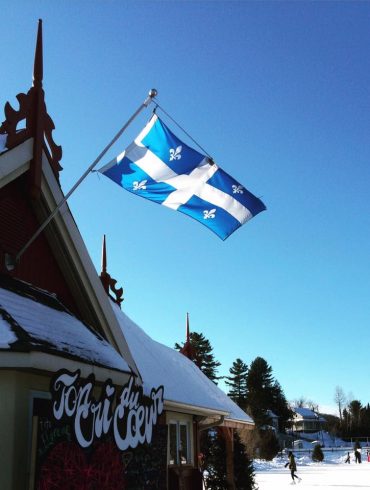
[38, 123]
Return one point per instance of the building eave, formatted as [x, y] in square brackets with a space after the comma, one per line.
[211, 415]
[15, 162]
[68, 247]
[44, 363]
[75, 247]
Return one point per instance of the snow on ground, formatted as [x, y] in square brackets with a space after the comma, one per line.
[307, 440]
[324, 477]
[331, 474]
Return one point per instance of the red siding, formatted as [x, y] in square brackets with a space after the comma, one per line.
[37, 266]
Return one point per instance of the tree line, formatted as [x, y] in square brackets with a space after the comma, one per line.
[255, 390]
[354, 418]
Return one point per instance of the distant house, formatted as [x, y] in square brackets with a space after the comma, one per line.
[306, 420]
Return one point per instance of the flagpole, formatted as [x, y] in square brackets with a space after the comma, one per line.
[10, 262]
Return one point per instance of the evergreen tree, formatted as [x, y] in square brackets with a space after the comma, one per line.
[365, 421]
[333, 424]
[317, 454]
[214, 450]
[260, 391]
[280, 406]
[205, 359]
[265, 393]
[355, 409]
[268, 445]
[243, 467]
[346, 422]
[238, 383]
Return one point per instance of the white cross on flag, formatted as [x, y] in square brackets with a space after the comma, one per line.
[163, 169]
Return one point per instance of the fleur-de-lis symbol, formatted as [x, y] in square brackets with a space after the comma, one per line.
[237, 189]
[209, 213]
[175, 154]
[137, 186]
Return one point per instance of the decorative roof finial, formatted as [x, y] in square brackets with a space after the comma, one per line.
[38, 63]
[188, 350]
[109, 284]
[104, 257]
[38, 124]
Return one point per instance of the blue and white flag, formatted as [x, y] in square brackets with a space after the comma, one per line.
[160, 167]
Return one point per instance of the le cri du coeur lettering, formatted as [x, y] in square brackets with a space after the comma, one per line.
[130, 419]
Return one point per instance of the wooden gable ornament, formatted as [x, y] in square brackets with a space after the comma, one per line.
[108, 282]
[188, 350]
[38, 124]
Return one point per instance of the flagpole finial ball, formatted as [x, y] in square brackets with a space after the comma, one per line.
[153, 93]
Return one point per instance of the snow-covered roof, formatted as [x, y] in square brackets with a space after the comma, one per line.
[3, 142]
[34, 320]
[306, 413]
[183, 381]
[81, 277]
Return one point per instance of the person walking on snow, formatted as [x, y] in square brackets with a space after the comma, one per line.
[293, 467]
[357, 455]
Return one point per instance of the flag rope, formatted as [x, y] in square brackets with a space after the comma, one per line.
[182, 129]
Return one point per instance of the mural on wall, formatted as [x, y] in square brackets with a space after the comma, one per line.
[69, 466]
[103, 444]
[148, 466]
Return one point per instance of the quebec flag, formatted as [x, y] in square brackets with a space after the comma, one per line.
[160, 167]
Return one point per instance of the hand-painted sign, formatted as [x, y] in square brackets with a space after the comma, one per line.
[60, 462]
[129, 416]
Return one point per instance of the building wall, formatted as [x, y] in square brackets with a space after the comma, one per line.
[7, 428]
[16, 425]
[307, 426]
[18, 389]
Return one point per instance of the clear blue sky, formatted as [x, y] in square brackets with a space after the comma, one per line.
[278, 93]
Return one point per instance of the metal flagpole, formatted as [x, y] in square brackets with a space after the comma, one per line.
[10, 262]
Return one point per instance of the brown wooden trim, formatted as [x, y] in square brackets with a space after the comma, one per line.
[39, 124]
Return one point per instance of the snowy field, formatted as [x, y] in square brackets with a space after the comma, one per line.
[332, 474]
